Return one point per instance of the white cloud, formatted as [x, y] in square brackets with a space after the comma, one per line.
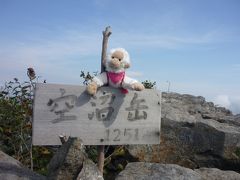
[52, 54]
[46, 50]
[49, 53]
[235, 105]
[222, 100]
[165, 41]
[229, 102]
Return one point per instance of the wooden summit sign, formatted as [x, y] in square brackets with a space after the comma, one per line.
[109, 118]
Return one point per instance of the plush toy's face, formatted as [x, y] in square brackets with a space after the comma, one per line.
[117, 60]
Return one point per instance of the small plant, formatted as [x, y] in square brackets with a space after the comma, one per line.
[87, 77]
[148, 84]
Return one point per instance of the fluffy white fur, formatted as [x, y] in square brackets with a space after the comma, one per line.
[101, 79]
[125, 60]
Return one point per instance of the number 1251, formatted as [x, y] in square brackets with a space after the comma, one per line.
[126, 134]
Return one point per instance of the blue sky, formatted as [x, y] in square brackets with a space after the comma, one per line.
[193, 44]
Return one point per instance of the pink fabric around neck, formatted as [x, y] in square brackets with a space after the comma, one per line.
[116, 77]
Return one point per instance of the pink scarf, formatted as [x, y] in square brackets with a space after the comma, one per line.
[116, 78]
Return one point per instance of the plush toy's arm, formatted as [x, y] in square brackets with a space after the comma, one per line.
[97, 81]
[100, 79]
[130, 83]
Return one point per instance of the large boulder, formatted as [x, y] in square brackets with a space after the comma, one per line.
[89, 171]
[71, 162]
[216, 174]
[11, 169]
[152, 171]
[194, 134]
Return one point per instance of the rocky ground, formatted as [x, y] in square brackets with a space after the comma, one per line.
[198, 141]
[155, 171]
[11, 169]
[194, 134]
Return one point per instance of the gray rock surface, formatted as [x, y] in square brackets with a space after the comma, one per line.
[71, 162]
[194, 134]
[67, 162]
[216, 174]
[89, 171]
[11, 169]
[155, 171]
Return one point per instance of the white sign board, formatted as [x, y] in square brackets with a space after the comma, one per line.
[109, 118]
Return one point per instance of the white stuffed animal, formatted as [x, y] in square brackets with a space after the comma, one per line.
[117, 61]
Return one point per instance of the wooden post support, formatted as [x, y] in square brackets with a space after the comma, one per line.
[101, 158]
[106, 34]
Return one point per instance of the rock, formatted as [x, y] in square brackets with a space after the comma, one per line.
[4, 158]
[68, 161]
[71, 162]
[194, 134]
[89, 171]
[237, 117]
[153, 171]
[11, 169]
[216, 174]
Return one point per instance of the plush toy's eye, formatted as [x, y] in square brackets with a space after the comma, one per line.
[112, 57]
[119, 59]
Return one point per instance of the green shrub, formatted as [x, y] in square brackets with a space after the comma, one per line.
[15, 119]
[16, 101]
